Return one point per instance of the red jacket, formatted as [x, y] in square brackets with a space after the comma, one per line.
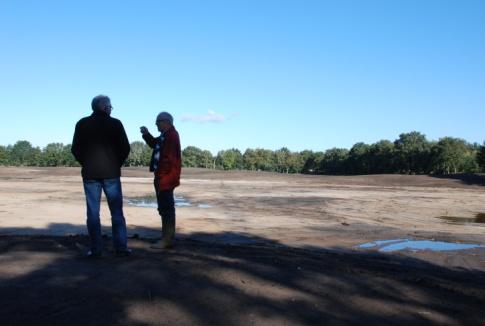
[170, 162]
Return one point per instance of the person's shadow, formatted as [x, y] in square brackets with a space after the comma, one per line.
[227, 278]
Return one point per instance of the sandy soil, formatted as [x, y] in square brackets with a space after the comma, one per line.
[270, 249]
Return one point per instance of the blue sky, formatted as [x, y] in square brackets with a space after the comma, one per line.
[246, 74]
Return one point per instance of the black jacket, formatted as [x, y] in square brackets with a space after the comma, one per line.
[100, 145]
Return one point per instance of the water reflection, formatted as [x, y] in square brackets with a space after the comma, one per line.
[151, 201]
[379, 243]
[409, 244]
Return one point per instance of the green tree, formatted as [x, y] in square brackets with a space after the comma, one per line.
[250, 159]
[53, 155]
[381, 157]
[259, 159]
[191, 156]
[35, 157]
[358, 160]
[22, 153]
[481, 157]
[283, 160]
[230, 159]
[290, 162]
[296, 162]
[335, 161]
[453, 155]
[313, 162]
[136, 156]
[304, 158]
[206, 160]
[146, 155]
[412, 153]
[4, 155]
[67, 158]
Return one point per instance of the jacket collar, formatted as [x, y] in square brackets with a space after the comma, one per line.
[169, 130]
[99, 114]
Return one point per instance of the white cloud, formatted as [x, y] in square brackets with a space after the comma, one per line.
[211, 116]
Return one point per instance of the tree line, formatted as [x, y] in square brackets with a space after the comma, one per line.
[411, 153]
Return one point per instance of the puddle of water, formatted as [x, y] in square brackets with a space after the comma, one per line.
[379, 243]
[479, 218]
[151, 201]
[406, 244]
[181, 203]
[429, 245]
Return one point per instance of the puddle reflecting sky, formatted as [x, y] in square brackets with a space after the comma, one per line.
[408, 244]
[379, 243]
[151, 201]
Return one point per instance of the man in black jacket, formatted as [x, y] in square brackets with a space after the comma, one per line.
[100, 145]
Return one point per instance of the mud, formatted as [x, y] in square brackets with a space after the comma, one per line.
[267, 249]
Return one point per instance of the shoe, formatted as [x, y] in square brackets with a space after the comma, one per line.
[168, 233]
[123, 253]
[93, 254]
[162, 245]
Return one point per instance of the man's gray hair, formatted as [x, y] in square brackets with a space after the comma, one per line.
[98, 102]
[165, 116]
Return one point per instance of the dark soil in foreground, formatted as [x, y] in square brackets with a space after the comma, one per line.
[46, 280]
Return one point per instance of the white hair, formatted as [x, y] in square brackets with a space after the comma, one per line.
[98, 102]
[165, 116]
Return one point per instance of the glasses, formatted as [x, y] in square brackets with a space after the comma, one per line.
[160, 121]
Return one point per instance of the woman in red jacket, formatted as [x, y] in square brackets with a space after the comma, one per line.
[166, 164]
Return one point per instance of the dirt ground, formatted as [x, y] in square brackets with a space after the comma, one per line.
[268, 249]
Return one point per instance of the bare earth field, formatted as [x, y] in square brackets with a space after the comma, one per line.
[263, 248]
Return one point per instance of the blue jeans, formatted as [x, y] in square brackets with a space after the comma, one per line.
[114, 196]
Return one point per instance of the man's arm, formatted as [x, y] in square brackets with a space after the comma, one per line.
[148, 138]
[76, 145]
[124, 145]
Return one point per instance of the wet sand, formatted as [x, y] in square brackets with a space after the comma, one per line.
[269, 249]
